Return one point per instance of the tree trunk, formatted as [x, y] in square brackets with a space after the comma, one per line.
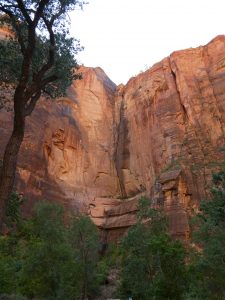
[8, 169]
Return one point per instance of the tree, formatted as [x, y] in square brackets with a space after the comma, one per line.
[85, 242]
[8, 265]
[45, 252]
[38, 58]
[44, 257]
[209, 266]
[9, 261]
[153, 265]
[13, 209]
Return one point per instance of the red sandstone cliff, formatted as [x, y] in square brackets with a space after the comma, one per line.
[159, 135]
[173, 126]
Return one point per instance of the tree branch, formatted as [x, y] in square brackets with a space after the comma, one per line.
[49, 79]
[51, 60]
[57, 15]
[39, 12]
[28, 54]
[39, 86]
[51, 55]
[16, 27]
[30, 107]
[24, 11]
[36, 94]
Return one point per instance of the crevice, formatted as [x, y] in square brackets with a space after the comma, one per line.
[183, 108]
[121, 150]
[186, 117]
[93, 93]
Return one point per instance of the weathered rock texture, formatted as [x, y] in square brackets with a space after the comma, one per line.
[68, 145]
[5, 33]
[159, 135]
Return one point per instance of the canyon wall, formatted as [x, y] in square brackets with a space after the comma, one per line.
[68, 145]
[173, 128]
[101, 147]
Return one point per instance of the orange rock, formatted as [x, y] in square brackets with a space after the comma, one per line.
[5, 33]
[159, 135]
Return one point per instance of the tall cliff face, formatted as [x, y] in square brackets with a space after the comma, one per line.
[159, 135]
[173, 127]
[79, 154]
[67, 150]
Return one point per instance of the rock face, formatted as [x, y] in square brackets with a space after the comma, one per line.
[68, 145]
[5, 33]
[102, 145]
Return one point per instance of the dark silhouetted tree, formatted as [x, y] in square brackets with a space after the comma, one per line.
[37, 58]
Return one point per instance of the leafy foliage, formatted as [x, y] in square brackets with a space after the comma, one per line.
[85, 242]
[53, 51]
[8, 265]
[46, 254]
[46, 259]
[13, 212]
[149, 257]
[64, 262]
[209, 267]
[37, 57]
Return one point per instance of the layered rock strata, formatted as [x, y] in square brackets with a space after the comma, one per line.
[158, 135]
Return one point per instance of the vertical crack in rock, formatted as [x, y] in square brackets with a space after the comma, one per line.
[122, 153]
[187, 122]
[184, 110]
[174, 122]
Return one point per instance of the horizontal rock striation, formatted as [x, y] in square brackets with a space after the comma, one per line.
[159, 136]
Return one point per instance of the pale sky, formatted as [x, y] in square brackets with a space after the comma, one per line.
[123, 37]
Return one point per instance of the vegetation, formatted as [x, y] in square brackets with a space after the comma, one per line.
[45, 259]
[208, 268]
[167, 269]
[37, 58]
[48, 257]
[85, 243]
[153, 265]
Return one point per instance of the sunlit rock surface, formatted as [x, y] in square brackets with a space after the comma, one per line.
[158, 136]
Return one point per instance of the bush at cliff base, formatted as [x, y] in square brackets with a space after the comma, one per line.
[208, 268]
[153, 265]
[45, 258]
